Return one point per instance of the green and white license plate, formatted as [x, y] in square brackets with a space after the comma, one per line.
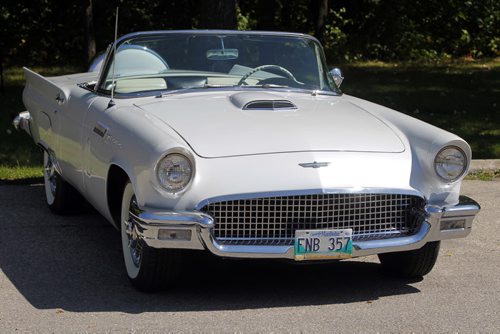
[323, 244]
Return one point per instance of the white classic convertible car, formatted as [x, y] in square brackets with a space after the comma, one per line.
[241, 144]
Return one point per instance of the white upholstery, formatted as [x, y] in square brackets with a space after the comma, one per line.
[139, 84]
[135, 60]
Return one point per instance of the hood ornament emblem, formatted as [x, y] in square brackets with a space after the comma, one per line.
[314, 164]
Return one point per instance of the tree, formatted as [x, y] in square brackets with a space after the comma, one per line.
[320, 12]
[89, 30]
[266, 10]
[217, 14]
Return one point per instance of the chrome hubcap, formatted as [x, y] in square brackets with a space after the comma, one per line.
[134, 244]
[50, 173]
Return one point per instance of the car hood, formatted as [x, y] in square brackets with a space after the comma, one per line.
[217, 124]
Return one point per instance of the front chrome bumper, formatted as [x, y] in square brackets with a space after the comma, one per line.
[195, 231]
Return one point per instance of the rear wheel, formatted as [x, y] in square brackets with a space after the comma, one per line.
[411, 264]
[61, 197]
[148, 269]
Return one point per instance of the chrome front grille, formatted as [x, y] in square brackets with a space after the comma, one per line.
[274, 220]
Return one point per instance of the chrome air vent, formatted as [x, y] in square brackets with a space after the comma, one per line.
[269, 105]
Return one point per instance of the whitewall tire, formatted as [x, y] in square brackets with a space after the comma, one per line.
[148, 269]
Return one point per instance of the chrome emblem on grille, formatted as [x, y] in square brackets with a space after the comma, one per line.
[314, 164]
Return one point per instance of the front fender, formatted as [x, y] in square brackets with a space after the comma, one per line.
[424, 141]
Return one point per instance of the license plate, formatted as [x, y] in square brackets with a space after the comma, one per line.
[323, 244]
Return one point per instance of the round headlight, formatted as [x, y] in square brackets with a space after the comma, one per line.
[450, 163]
[174, 172]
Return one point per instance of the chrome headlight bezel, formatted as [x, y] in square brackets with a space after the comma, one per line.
[175, 153]
[439, 162]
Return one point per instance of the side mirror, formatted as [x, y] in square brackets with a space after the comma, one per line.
[336, 74]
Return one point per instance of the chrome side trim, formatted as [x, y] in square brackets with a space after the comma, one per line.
[314, 164]
[100, 129]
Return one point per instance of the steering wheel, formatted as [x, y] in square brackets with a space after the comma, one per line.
[265, 67]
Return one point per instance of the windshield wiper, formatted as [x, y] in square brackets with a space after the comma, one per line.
[180, 90]
[313, 92]
[265, 86]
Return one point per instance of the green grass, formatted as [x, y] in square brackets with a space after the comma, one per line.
[20, 172]
[461, 64]
[458, 96]
[484, 175]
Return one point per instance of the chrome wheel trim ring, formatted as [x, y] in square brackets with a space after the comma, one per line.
[50, 174]
[134, 244]
[49, 178]
[128, 229]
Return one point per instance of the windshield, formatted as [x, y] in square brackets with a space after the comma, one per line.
[173, 61]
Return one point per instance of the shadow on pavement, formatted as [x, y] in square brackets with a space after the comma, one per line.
[20, 182]
[75, 263]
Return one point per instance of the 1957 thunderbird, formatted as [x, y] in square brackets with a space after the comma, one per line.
[241, 144]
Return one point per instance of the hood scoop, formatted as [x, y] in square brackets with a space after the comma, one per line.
[261, 101]
[269, 105]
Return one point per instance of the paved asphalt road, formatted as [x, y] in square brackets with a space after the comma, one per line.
[65, 274]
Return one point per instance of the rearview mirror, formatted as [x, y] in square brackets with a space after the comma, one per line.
[336, 74]
[222, 54]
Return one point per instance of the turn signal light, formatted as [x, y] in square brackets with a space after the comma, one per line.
[174, 235]
[452, 224]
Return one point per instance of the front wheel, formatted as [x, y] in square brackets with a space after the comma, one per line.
[411, 264]
[148, 269]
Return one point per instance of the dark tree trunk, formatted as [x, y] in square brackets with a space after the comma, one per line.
[89, 30]
[320, 12]
[286, 16]
[217, 14]
[1, 75]
[266, 9]
[174, 14]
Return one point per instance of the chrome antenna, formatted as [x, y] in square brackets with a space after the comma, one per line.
[112, 102]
